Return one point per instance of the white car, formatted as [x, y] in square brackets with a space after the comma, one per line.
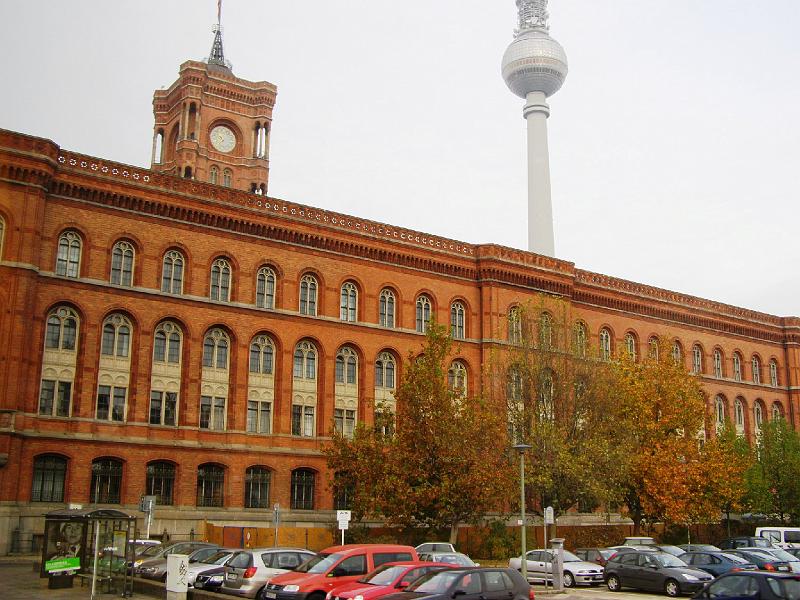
[435, 547]
[539, 565]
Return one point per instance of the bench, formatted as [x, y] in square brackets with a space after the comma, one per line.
[102, 580]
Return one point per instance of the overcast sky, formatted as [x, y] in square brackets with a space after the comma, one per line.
[674, 142]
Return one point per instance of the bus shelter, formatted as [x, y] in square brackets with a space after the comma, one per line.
[94, 544]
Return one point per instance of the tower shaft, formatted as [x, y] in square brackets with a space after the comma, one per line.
[540, 206]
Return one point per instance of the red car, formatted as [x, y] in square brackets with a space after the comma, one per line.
[386, 579]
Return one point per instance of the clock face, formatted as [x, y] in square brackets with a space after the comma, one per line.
[222, 138]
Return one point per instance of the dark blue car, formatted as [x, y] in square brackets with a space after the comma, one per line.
[717, 563]
[744, 585]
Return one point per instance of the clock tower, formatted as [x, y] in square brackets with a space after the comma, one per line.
[213, 126]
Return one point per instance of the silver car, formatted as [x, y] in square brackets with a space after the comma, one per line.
[220, 557]
[156, 568]
[540, 568]
[247, 572]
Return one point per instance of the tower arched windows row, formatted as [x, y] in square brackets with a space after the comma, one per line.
[218, 354]
[50, 482]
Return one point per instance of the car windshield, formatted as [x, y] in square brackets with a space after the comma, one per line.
[607, 553]
[434, 583]
[383, 575]
[319, 563]
[667, 560]
[783, 555]
[674, 550]
[734, 559]
[570, 557]
[151, 551]
[216, 559]
[453, 559]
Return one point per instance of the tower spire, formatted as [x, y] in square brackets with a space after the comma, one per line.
[532, 15]
[217, 56]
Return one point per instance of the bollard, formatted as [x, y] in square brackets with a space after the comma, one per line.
[557, 562]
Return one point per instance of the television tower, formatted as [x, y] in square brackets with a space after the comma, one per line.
[534, 67]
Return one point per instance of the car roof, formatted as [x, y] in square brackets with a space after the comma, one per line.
[274, 549]
[353, 548]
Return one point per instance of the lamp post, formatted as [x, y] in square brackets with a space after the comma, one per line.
[522, 448]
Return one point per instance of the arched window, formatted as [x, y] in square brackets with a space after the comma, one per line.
[652, 349]
[385, 371]
[677, 352]
[758, 416]
[210, 485]
[167, 343]
[697, 359]
[62, 329]
[546, 331]
[172, 272]
[161, 482]
[220, 280]
[261, 355]
[738, 406]
[349, 302]
[514, 325]
[630, 345]
[547, 409]
[265, 288]
[215, 349]
[777, 411]
[256, 487]
[756, 365]
[106, 482]
[737, 366]
[305, 361]
[304, 398]
[386, 308]
[49, 474]
[68, 259]
[213, 174]
[227, 178]
[457, 319]
[719, 412]
[308, 295]
[605, 344]
[580, 339]
[457, 378]
[116, 336]
[303, 489]
[718, 363]
[122, 256]
[346, 366]
[773, 373]
[423, 313]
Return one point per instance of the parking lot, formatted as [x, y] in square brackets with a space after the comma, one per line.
[21, 582]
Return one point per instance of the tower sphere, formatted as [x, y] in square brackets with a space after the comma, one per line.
[534, 62]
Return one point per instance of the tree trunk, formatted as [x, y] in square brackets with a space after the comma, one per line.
[454, 533]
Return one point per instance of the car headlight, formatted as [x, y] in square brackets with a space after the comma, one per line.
[688, 577]
[291, 588]
[136, 563]
[359, 597]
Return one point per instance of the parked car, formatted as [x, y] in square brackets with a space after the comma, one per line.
[745, 541]
[248, 571]
[435, 547]
[699, 548]
[219, 558]
[717, 563]
[595, 555]
[386, 579]
[753, 584]
[655, 572]
[781, 554]
[210, 580]
[156, 568]
[624, 549]
[332, 567]
[451, 558]
[166, 549]
[639, 541]
[539, 566]
[782, 537]
[764, 561]
[489, 583]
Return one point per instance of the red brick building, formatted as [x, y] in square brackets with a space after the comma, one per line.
[177, 332]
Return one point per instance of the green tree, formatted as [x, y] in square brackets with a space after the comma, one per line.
[773, 481]
[559, 400]
[442, 464]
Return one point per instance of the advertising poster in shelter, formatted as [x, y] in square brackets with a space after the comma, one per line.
[64, 546]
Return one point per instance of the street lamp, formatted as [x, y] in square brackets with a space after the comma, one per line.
[522, 448]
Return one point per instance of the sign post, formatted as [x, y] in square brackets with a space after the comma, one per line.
[276, 517]
[343, 516]
[147, 504]
[548, 520]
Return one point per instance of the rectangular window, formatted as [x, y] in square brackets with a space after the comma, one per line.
[160, 347]
[297, 419]
[344, 421]
[156, 406]
[64, 398]
[303, 420]
[163, 408]
[46, 397]
[212, 413]
[308, 421]
[103, 402]
[174, 355]
[111, 403]
[258, 416]
[118, 410]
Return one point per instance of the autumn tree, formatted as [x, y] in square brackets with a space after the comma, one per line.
[558, 400]
[440, 464]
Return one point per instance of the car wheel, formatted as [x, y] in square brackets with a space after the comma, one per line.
[671, 588]
[569, 579]
[613, 583]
